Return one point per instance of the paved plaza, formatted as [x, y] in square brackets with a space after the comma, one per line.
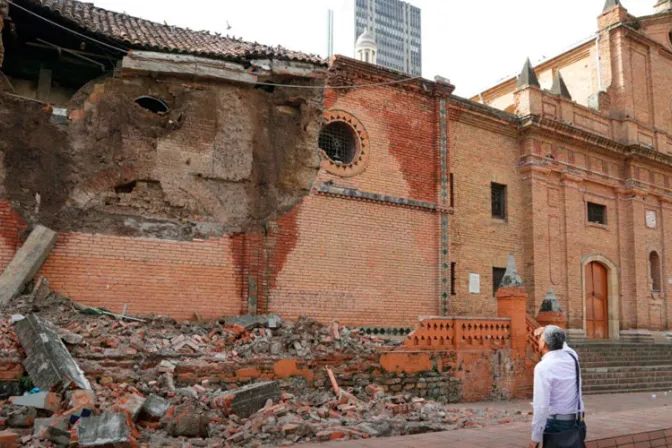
[608, 417]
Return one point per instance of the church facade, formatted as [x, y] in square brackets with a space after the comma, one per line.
[585, 176]
[568, 167]
[421, 196]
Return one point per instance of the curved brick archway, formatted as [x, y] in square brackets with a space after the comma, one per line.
[613, 293]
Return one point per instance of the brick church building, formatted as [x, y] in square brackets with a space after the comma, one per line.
[421, 196]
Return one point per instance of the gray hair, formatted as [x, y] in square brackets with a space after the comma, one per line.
[554, 337]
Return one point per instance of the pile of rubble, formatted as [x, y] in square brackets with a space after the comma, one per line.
[58, 405]
[233, 338]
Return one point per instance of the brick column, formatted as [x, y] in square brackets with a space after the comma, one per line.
[512, 303]
[575, 223]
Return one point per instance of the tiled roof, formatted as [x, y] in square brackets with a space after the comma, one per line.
[132, 32]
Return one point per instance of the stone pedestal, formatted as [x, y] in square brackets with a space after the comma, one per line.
[550, 318]
[551, 313]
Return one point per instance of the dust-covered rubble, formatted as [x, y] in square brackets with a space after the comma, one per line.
[149, 404]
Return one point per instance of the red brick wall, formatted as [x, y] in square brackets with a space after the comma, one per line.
[482, 152]
[150, 276]
[402, 128]
[359, 262]
[363, 262]
[651, 439]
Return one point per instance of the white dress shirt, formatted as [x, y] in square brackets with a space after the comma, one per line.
[554, 388]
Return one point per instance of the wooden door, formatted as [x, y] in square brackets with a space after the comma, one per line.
[597, 321]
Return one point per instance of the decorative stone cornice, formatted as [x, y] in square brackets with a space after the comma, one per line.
[352, 193]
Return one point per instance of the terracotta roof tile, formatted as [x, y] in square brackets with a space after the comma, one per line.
[135, 33]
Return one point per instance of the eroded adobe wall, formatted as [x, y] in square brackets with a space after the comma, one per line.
[224, 159]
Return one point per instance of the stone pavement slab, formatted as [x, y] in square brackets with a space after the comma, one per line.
[608, 416]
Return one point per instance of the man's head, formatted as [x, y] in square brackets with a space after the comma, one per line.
[550, 338]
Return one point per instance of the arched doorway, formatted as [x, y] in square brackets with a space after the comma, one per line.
[597, 300]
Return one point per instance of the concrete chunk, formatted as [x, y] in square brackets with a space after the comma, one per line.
[41, 400]
[249, 399]
[131, 404]
[54, 429]
[41, 424]
[26, 263]
[48, 362]
[155, 407]
[103, 430]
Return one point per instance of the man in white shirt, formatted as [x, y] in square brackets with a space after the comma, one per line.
[556, 401]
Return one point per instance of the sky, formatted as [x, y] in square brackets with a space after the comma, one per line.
[473, 43]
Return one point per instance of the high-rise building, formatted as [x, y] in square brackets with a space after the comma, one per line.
[330, 33]
[395, 27]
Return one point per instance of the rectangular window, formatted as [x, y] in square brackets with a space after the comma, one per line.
[452, 190]
[597, 213]
[498, 200]
[497, 276]
[453, 292]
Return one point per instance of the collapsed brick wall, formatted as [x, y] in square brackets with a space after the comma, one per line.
[223, 159]
[447, 376]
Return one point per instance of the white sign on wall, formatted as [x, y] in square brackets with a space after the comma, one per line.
[474, 284]
[651, 219]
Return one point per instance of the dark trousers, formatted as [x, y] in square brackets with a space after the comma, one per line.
[553, 426]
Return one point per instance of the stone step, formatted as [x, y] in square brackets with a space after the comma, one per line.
[642, 349]
[648, 362]
[626, 377]
[666, 368]
[617, 347]
[622, 390]
[625, 367]
[627, 383]
[591, 358]
[586, 359]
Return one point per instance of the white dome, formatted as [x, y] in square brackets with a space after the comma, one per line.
[366, 40]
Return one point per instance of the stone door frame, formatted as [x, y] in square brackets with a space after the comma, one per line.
[613, 293]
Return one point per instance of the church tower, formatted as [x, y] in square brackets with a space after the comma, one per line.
[366, 49]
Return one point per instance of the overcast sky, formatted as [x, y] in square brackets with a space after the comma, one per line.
[474, 43]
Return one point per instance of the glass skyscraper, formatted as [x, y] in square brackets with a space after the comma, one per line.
[395, 26]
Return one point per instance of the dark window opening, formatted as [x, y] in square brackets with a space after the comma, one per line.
[597, 213]
[453, 291]
[125, 188]
[452, 190]
[497, 276]
[338, 140]
[654, 267]
[152, 104]
[498, 200]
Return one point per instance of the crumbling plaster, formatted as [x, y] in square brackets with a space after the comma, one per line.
[226, 157]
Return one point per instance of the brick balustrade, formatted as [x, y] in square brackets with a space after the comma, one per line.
[455, 333]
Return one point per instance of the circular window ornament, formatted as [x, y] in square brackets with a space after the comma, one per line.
[344, 143]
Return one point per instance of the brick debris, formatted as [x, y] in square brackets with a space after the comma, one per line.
[139, 398]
